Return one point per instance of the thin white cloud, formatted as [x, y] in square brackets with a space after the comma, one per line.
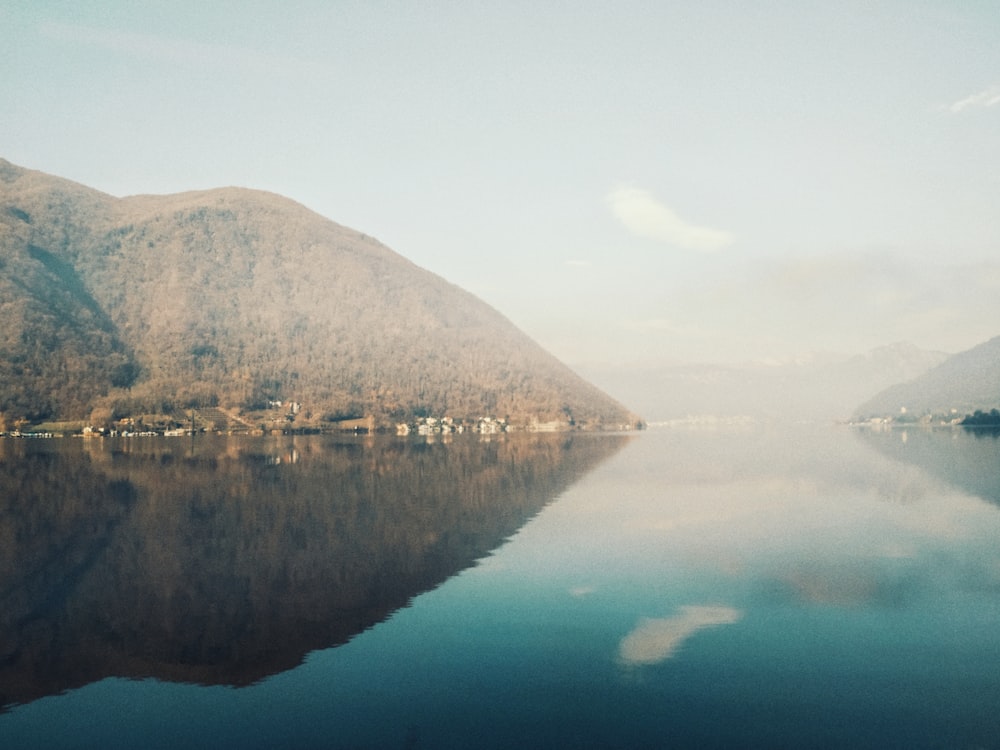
[986, 98]
[655, 640]
[644, 216]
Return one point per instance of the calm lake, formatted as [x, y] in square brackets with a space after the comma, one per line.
[747, 587]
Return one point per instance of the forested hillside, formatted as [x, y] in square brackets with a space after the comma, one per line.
[239, 298]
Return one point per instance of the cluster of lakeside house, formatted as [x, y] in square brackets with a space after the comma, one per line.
[447, 426]
[482, 426]
[218, 420]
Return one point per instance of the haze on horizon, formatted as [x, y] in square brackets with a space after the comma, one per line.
[628, 183]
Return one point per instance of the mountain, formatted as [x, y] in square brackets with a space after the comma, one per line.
[816, 387]
[241, 299]
[963, 383]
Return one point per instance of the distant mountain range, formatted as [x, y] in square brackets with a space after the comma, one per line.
[242, 299]
[819, 387]
[963, 383]
[899, 381]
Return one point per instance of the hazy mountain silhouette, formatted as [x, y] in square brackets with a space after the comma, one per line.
[819, 387]
[963, 383]
[235, 297]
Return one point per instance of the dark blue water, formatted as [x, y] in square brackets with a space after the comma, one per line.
[813, 587]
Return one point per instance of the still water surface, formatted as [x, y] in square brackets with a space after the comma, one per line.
[809, 587]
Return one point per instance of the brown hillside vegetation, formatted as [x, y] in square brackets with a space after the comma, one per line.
[236, 298]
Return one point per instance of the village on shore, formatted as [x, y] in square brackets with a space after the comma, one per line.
[279, 419]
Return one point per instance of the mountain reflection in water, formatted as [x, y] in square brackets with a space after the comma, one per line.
[224, 560]
[967, 458]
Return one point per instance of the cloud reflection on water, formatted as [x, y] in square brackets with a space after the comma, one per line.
[655, 640]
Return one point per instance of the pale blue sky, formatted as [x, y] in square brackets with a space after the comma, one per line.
[636, 182]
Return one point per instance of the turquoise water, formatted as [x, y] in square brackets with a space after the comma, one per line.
[807, 588]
